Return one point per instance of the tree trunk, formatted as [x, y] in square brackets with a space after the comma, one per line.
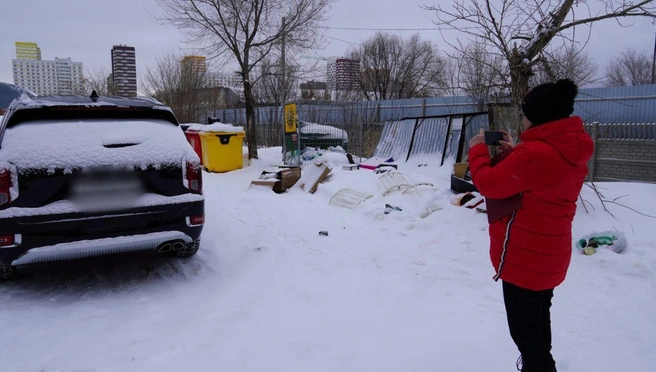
[251, 133]
[520, 73]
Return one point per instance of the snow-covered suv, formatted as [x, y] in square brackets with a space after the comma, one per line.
[88, 176]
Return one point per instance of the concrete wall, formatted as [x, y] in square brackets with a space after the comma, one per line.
[622, 157]
[625, 160]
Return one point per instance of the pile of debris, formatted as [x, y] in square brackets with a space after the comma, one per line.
[287, 177]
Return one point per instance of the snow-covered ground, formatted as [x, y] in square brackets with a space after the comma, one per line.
[381, 292]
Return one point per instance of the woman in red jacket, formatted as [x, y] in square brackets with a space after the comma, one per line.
[531, 246]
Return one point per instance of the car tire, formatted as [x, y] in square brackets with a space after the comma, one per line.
[7, 272]
[189, 250]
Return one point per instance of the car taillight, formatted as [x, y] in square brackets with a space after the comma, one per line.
[195, 221]
[5, 186]
[194, 178]
[6, 240]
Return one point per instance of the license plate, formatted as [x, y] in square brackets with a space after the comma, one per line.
[106, 190]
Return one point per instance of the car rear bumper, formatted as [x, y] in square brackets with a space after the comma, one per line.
[98, 247]
[76, 235]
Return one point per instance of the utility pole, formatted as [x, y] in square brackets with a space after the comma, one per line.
[282, 63]
[653, 65]
[281, 93]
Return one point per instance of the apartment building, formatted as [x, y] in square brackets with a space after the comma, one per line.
[343, 74]
[43, 77]
[124, 71]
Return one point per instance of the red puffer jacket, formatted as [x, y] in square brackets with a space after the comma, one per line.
[532, 247]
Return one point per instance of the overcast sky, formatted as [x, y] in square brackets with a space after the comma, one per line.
[87, 30]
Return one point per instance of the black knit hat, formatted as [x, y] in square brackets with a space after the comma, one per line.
[549, 102]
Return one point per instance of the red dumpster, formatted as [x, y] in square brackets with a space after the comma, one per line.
[194, 140]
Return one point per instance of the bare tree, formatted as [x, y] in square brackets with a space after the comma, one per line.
[452, 77]
[630, 68]
[246, 31]
[184, 90]
[397, 68]
[275, 85]
[314, 93]
[481, 72]
[565, 63]
[520, 30]
[96, 79]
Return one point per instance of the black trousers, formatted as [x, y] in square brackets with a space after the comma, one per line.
[529, 320]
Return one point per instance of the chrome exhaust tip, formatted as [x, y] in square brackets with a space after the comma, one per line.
[166, 247]
[178, 246]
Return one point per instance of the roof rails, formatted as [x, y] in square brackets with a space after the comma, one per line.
[94, 106]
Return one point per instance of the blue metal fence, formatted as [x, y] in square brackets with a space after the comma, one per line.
[365, 120]
[625, 131]
[635, 104]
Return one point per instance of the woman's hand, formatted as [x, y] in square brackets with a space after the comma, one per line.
[477, 139]
[508, 141]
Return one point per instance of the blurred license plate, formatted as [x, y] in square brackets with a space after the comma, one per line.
[107, 190]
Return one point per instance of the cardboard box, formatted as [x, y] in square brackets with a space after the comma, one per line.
[279, 181]
[460, 181]
[312, 176]
[460, 169]
[269, 183]
[289, 176]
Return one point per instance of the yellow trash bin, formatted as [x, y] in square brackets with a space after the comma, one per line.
[222, 151]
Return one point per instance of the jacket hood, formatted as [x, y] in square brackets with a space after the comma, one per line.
[567, 136]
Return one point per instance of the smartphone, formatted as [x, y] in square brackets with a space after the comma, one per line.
[492, 137]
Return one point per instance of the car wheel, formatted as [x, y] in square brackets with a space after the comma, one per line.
[7, 272]
[189, 250]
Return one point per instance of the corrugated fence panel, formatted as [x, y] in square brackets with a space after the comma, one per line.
[430, 137]
[396, 139]
[399, 109]
[617, 104]
[635, 104]
[625, 131]
[473, 126]
[437, 106]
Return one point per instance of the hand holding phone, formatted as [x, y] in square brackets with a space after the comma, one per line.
[508, 140]
[494, 137]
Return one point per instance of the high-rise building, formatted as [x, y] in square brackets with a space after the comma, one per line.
[70, 78]
[124, 71]
[110, 85]
[27, 50]
[223, 79]
[194, 64]
[342, 74]
[61, 76]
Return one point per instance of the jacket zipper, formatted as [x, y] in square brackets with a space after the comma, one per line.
[505, 246]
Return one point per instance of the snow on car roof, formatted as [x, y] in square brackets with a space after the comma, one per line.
[26, 101]
[51, 144]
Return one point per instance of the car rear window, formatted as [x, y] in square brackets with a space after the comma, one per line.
[70, 144]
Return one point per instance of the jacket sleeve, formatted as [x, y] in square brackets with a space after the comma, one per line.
[510, 177]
